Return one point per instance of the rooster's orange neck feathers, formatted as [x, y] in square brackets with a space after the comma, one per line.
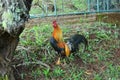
[57, 33]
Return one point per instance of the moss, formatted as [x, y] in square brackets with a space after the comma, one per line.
[7, 18]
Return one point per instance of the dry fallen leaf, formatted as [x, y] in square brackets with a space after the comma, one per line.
[58, 61]
[89, 72]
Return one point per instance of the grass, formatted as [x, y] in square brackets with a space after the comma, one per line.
[99, 62]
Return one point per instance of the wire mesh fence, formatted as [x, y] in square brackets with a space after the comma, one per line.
[44, 8]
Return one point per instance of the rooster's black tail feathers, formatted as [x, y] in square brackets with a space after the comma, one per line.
[75, 40]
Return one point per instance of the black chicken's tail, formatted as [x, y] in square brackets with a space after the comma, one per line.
[75, 40]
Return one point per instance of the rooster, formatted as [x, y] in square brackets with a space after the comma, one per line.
[72, 45]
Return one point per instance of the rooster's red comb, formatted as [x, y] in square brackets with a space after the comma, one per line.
[54, 21]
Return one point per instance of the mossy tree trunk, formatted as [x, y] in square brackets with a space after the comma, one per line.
[13, 14]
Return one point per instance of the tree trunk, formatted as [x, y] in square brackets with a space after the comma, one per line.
[13, 14]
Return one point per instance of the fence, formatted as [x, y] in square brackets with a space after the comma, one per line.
[71, 7]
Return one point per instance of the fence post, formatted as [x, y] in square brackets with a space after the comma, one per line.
[55, 8]
[98, 6]
[104, 4]
[88, 1]
[107, 5]
[43, 8]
